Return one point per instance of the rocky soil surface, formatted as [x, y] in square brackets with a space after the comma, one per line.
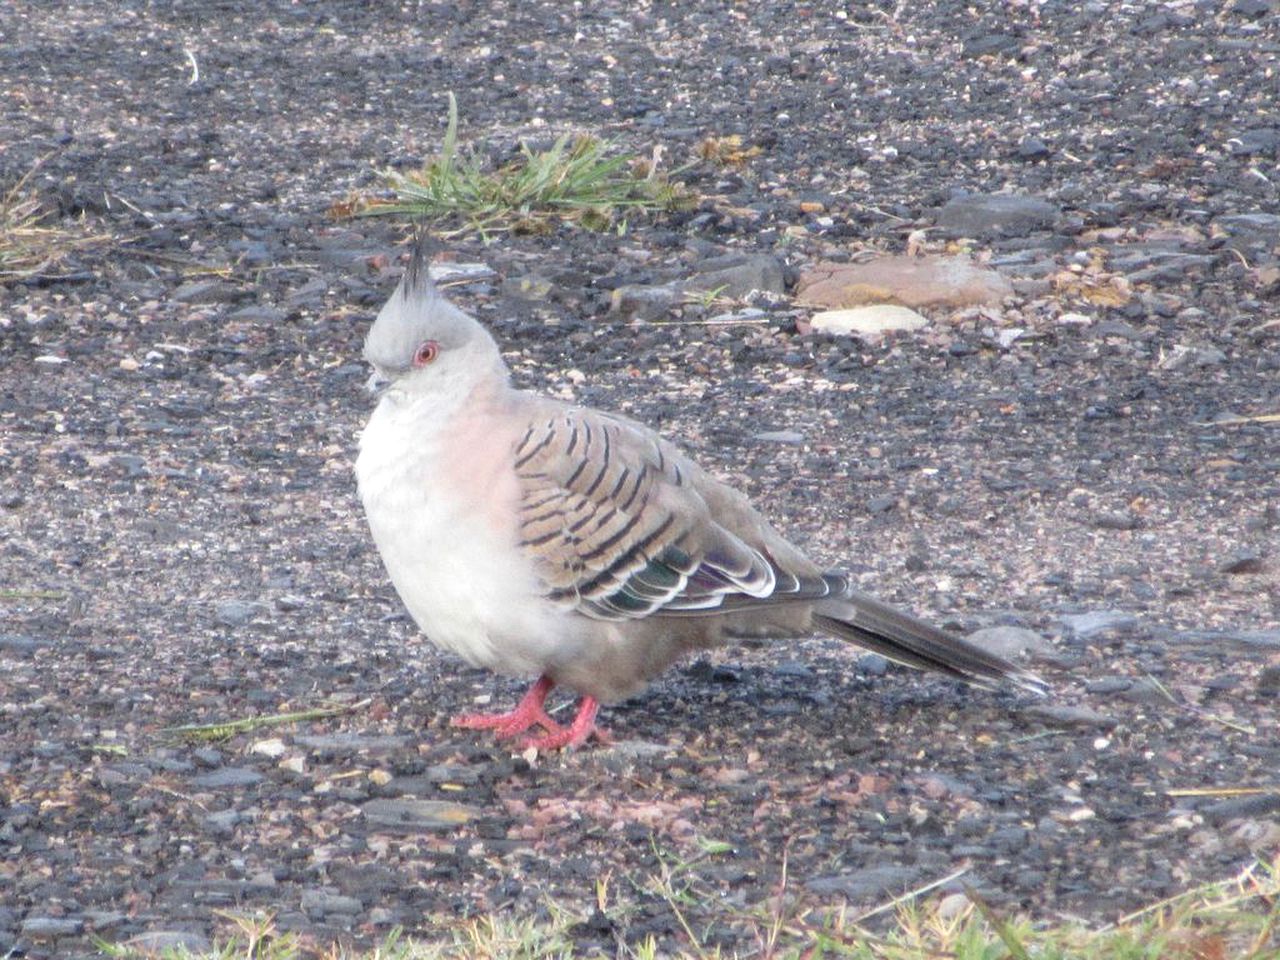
[1086, 467]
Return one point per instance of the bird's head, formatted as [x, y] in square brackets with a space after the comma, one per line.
[421, 345]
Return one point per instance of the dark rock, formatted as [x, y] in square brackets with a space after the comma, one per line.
[640, 302]
[319, 904]
[156, 943]
[236, 613]
[1108, 685]
[1244, 560]
[870, 883]
[208, 757]
[734, 276]
[1259, 140]
[210, 291]
[1269, 681]
[227, 778]
[17, 645]
[338, 743]
[1010, 642]
[412, 816]
[1096, 623]
[873, 665]
[1236, 808]
[222, 824]
[51, 928]
[1254, 9]
[258, 313]
[1062, 715]
[1222, 640]
[1033, 148]
[1246, 231]
[996, 215]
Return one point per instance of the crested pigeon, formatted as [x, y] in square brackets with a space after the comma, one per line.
[537, 538]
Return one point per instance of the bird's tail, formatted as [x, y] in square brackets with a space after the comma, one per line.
[878, 627]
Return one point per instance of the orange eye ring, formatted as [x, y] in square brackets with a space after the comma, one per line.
[426, 353]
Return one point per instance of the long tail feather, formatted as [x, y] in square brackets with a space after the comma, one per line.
[905, 639]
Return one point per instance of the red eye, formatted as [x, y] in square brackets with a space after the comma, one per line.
[426, 353]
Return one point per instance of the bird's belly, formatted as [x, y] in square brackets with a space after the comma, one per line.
[457, 569]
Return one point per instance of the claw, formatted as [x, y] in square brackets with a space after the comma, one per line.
[574, 735]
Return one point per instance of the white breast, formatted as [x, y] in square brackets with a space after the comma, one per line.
[440, 500]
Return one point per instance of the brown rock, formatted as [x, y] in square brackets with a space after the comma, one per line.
[909, 281]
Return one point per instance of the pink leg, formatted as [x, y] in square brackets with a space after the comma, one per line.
[528, 713]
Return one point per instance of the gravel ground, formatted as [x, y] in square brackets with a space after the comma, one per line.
[180, 540]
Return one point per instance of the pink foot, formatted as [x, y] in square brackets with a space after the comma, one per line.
[529, 712]
[574, 735]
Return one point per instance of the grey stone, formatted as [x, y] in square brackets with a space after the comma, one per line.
[1010, 642]
[252, 252]
[349, 257]
[1108, 685]
[121, 774]
[734, 276]
[1260, 140]
[1254, 9]
[996, 215]
[450, 272]
[50, 928]
[1086, 626]
[641, 302]
[529, 287]
[227, 778]
[873, 665]
[780, 436]
[638, 749]
[310, 294]
[1033, 148]
[1145, 690]
[16, 644]
[1067, 716]
[1247, 230]
[210, 291]
[320, 903]
[413, 816]
[208, 757]
[1222, 639]
[745, 315]
[1173, 267]
[1191, 355]
[871, 883]
[1237, 808]
[1243, 560]
[222, 823]
[259, 313]
[352, 742]
[158, 942]
[236, 613]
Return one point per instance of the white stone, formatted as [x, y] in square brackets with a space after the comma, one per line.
[872, 322]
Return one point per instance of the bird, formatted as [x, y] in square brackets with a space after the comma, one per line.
[537, 538]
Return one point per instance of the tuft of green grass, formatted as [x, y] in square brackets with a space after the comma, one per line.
[30, 245]
[579, 179]
[1233, 919]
